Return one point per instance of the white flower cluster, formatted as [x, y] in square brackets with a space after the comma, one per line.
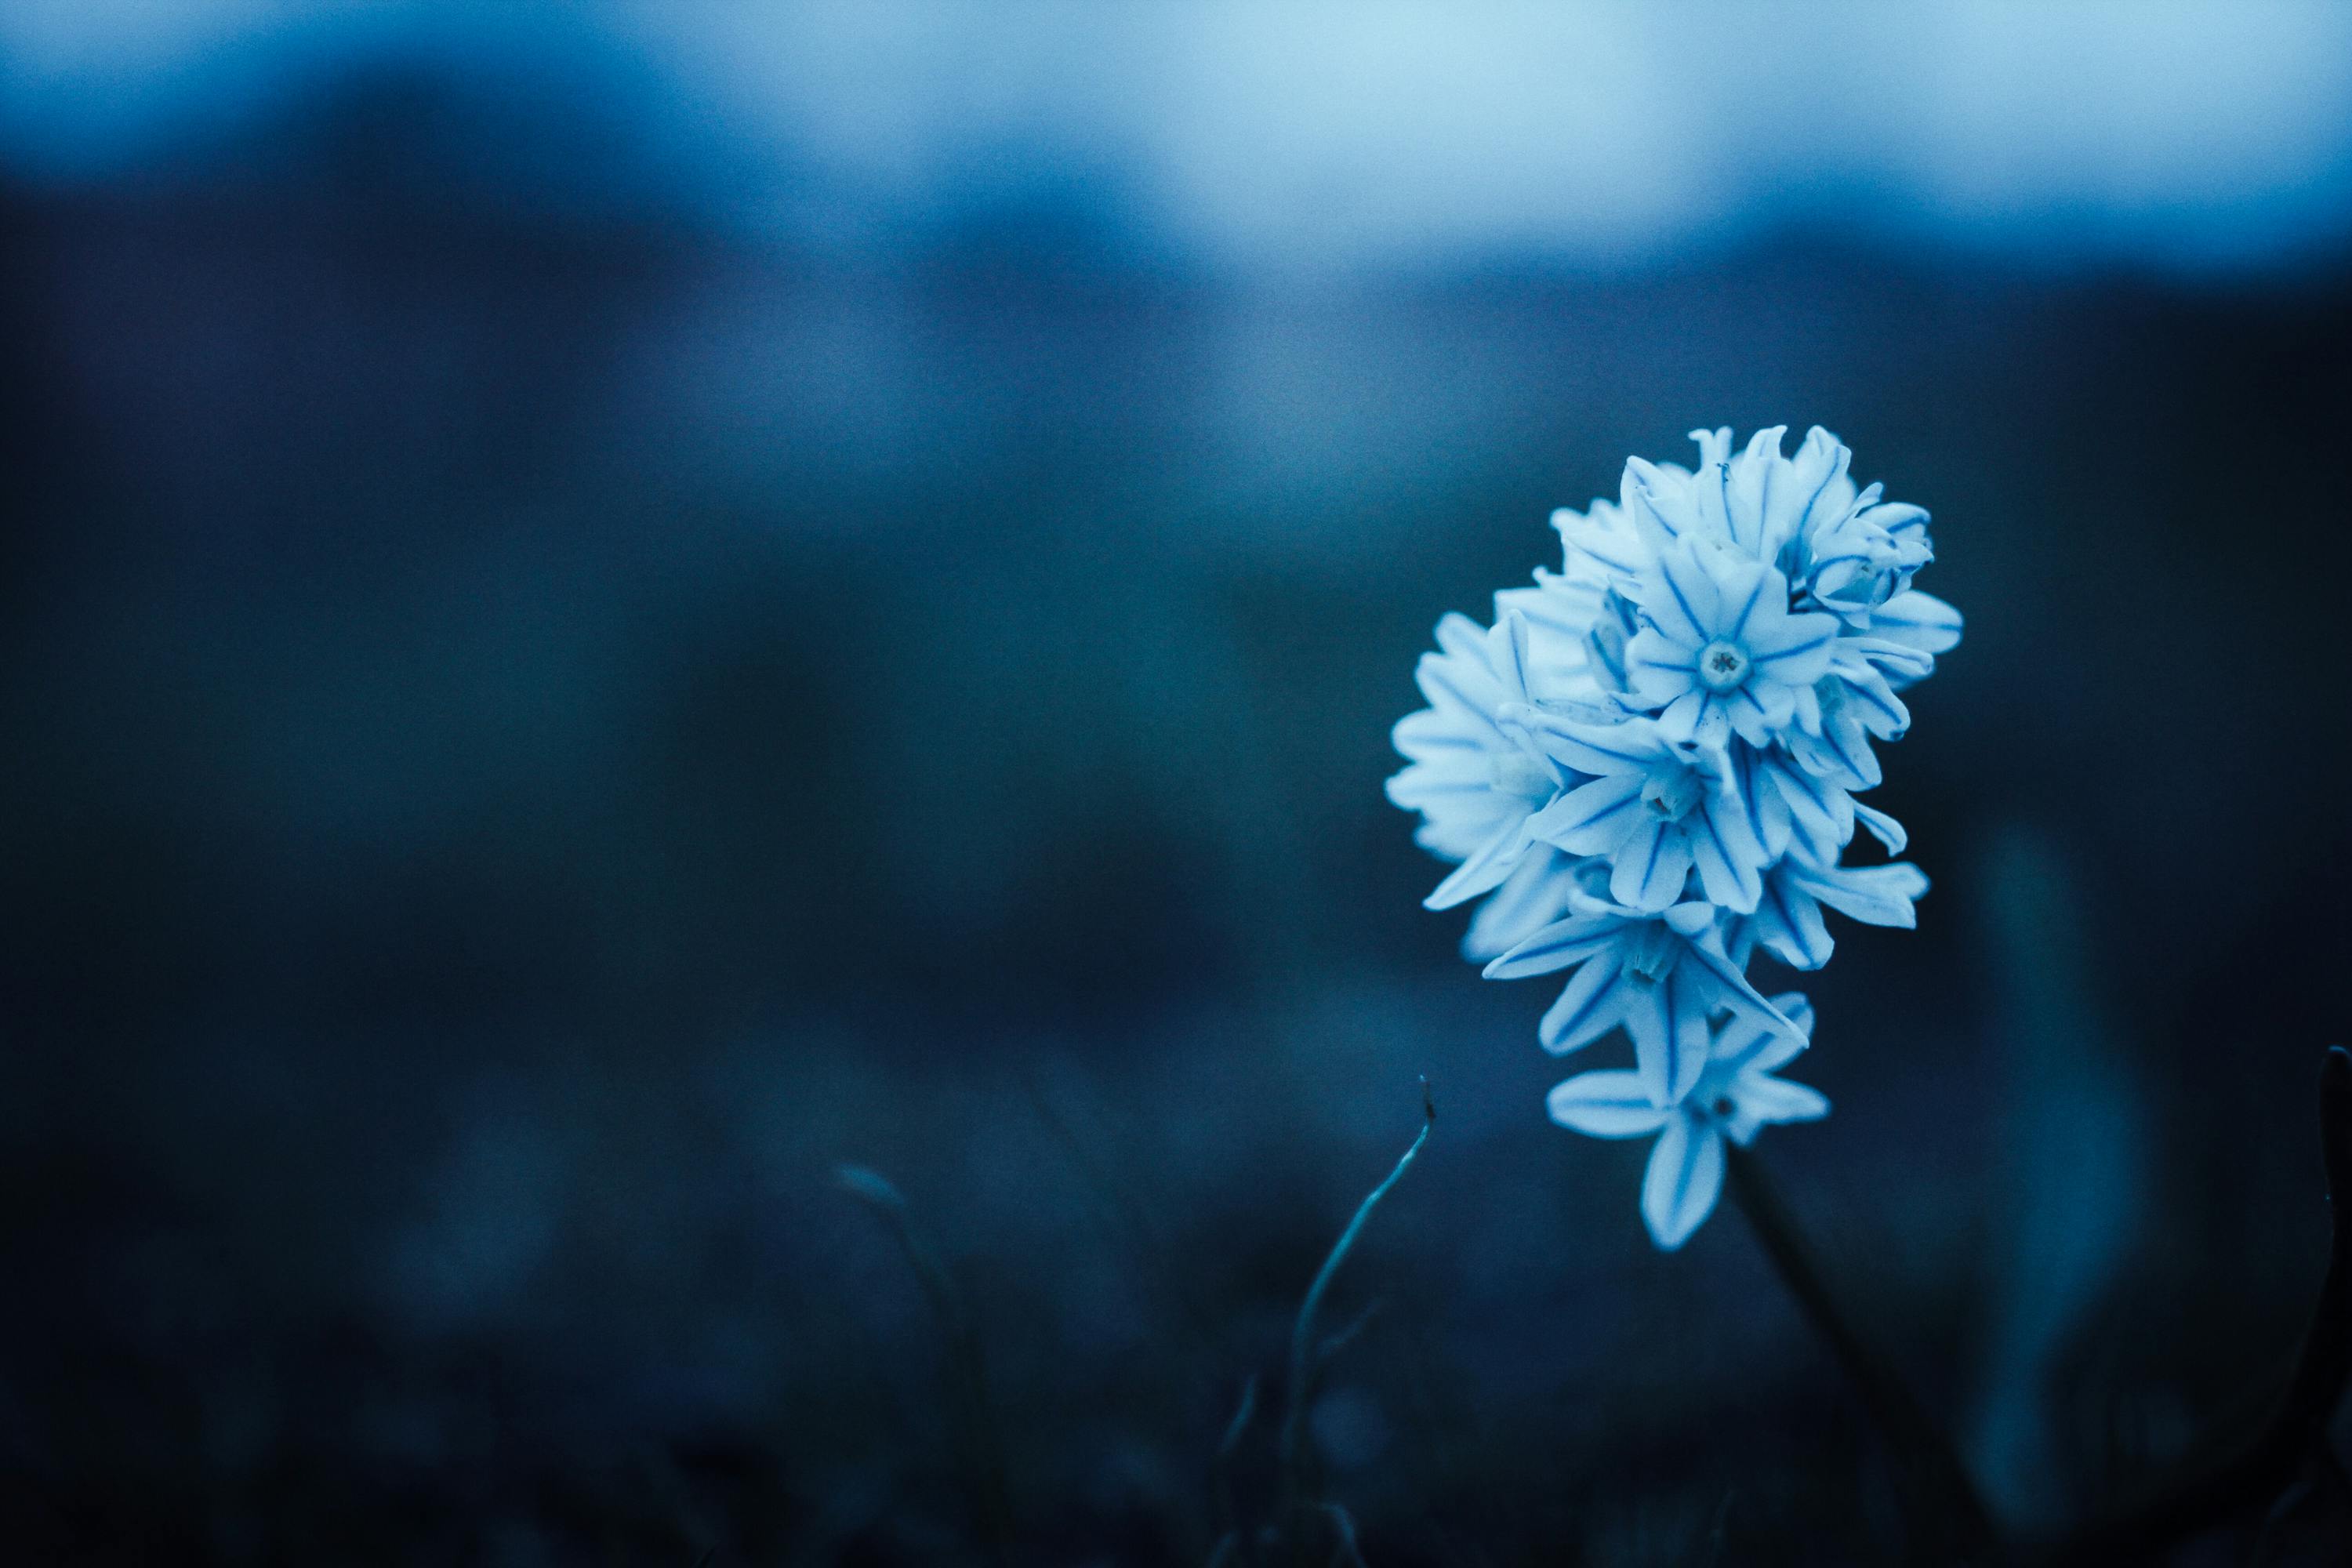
[1647, 768]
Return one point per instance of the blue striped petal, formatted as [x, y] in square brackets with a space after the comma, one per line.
[1878, 895]
[1756, 473]
[1917, 620]
[1594, 1001]
[1681, 599]
[1724, 850]
[1592, 818]
[1796, 650]
[1599, 749]
[1656, 499]
[1690, 991]
[1484, 870]
[1507, 656]
[1823, 811]
[1558, 945]
[1871, 700]
[1607, 1104]
[1759, 1100]
[1732, 989]
[1650, 1026]
[1753, 593]
[1894, 657]
[1649, 868]
[1882, 828]
[1788, 922]
[1821, 473]
[1530, 898]
[1683, 1179]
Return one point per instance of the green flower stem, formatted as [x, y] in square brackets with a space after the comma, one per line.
[1940, 1484]
[980, 1452]
[2188, 1503]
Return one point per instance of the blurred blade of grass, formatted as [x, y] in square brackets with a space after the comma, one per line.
[2189, 1501]
[980, 1452]
[2074, 1163]
[1304, 1366]
[1135, 1234]
[1220, 1479]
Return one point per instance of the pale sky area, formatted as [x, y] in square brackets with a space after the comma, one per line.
[1312, 136]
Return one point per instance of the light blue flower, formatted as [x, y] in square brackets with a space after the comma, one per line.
[1654, 811]
[1600, 544]
[1761, 503]
[1474, 782]
[1647, 772]
[1843, 549]
[1735, 1097]
[1852, 702]
[1794, 807]
[1719, 652]
[1579, 616]
[1540, 890]
[1662, 976]
[1788, 919]
[1919, 621]
[1865, 558]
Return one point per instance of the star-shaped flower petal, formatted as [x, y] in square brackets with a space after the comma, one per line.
[1735, 1097]
[1662, 976]
[1917, 620]
[1719, 653]
[1540, 890]
[1788, 922]
[1652, 809]
[1475, 783]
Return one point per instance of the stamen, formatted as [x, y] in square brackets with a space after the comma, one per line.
[1723, 666]
[1669, 794]
[1651, 952]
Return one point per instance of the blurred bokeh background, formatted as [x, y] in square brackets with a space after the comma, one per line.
[605, 608]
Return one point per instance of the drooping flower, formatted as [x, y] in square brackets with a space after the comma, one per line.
[1866, 557]
[1735, 1097]
[1788, 919]
[1652, 810]
[1852, 702]
[1662, 976]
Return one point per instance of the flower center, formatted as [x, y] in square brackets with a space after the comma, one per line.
[1515, 772]
[1651, 952]
[1722, 666]
[1668, 796]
